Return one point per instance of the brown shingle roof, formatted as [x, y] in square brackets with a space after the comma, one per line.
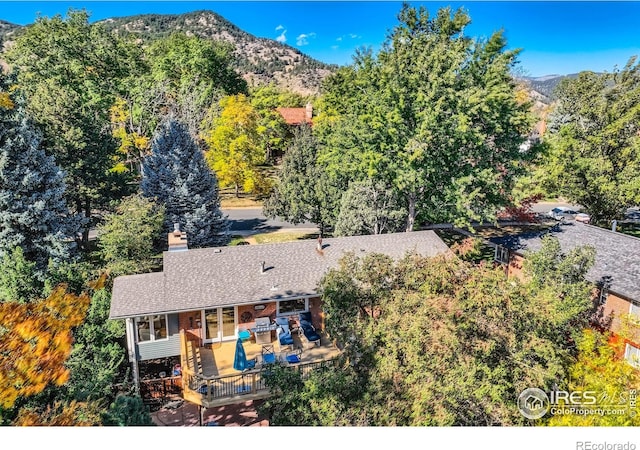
[212, 277]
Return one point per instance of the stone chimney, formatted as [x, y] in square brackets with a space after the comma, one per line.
[308, 112]
[177, 239]
[319, 246]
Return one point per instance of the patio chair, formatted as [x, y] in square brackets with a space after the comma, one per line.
[293, 357]
[284, 338]
[268, 354]
[308, 330]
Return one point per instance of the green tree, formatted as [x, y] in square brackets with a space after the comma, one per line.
[177, 177]
[127, 411]
[594, 158]
[434, 111]
[598, 368]
[98, 359]
[368, 208]
[304, 191]
[70, 71]
[18, 282]
[129, 237]
[439, 341]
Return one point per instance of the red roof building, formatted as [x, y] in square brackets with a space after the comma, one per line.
[297, 116]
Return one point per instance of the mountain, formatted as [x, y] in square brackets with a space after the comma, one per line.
[544, 86]
[259, 60]
[6, 30]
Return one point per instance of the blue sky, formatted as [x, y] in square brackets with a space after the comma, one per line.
[555, 37]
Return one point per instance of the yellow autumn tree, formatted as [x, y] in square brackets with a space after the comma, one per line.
[134, 145]
[234, 151]
[36, 340]
[615, 382]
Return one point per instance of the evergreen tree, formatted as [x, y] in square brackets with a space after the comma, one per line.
[177, 177]
[304, 191]
[33, 211]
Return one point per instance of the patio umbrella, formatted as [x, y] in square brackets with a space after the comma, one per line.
[240, 359]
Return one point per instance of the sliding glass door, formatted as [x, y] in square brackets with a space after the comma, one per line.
[220, 324]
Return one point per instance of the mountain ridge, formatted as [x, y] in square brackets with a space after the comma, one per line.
[257, 60]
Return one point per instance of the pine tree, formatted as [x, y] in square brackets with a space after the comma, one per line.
[33, 212]
[177, 176]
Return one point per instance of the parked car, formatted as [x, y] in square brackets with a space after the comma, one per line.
[583, 217]
[632, 215]
[563, 213]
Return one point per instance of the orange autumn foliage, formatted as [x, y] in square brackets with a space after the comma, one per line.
[36, 340]
[73, 414]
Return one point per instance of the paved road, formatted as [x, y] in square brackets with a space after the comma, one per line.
[251, 220]
[543, 207]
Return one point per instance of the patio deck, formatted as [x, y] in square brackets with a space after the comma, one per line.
[217, 360]
[209, 379]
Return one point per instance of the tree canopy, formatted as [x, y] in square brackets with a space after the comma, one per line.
[439, 341]
[435, 113]
[33, 211]
[594, 157]
[176, 176]
[71, 72]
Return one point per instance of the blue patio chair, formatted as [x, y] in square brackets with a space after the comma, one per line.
[293, 357]
[284, 338]
[308, 330]
[268, 354]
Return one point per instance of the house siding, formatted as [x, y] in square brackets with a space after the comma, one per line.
[165, 347]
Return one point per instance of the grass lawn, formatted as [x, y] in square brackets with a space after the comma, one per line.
[284, 236]
[235, 240]
[228, 199]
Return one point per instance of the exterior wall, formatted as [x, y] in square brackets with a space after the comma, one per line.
[317, 314]
[514, 269]
[162, 348]
[618, 309]
[246, 310]
[188, 321]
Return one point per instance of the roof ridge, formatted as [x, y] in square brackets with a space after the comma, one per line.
[616, 233]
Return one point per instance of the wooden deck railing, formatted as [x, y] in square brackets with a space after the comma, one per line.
[220, 390]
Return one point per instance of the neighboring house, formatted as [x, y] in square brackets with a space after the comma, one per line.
[616, 272]
[212, 294]
[297, 116]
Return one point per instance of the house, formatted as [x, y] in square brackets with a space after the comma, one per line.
[616, 272]
[297, 116]
[208, 297]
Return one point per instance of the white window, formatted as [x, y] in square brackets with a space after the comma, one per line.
[295, 306]
[151, 328]
[634, 310]
[632, 355]
[502, 254]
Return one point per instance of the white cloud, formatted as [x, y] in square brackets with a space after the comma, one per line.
[335, 47]
[282, 38]
[303, 39]
[279, 27]
[339, 39]
[354, 36]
